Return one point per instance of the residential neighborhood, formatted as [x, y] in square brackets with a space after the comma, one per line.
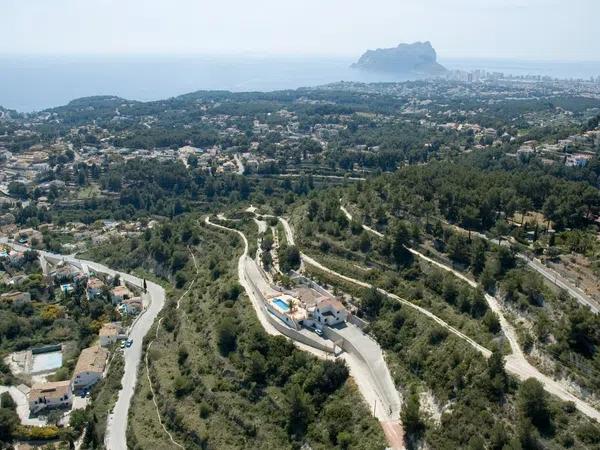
[48, 381]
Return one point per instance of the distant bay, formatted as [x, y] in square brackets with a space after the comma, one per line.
[38, 82]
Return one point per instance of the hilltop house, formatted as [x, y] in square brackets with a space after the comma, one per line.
[90, 367]
[50, 395]
[330, 311]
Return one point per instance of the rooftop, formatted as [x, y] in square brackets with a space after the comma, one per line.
[91, 359]
[110, 329]
[51, 390]
[332, 302]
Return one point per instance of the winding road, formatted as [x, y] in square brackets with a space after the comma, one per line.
[368, 387]
[116, 428]
[515, 363]
[535, 264]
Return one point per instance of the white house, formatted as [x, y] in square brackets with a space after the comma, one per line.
[330, 311]
[50, 395]
[90, 367]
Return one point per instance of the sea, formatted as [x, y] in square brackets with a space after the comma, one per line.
[34, 83]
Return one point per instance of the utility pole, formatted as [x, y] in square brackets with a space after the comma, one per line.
[374, 407]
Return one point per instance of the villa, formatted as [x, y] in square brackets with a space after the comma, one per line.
[131, 306]
[50, 395]
[308, 309]
[64, 274]
[330, 311]
[90, 367]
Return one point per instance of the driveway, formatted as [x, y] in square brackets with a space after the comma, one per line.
[19, 396]
[370, 355]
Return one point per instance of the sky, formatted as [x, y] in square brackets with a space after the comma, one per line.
[557, 30]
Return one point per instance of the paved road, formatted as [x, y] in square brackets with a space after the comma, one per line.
[117, 421]
[330, 177]
[367, 385]
[390, 401]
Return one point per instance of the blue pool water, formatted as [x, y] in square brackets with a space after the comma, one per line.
[46, 361]
[283, 305]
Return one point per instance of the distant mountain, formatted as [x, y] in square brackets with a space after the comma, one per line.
[417, 59]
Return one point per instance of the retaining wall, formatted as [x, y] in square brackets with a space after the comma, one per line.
[296, 335]
[287, 331]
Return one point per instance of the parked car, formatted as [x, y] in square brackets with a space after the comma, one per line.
[319, 332]
[129, 343]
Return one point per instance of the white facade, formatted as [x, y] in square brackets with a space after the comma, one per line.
[330, 312]
[90, 367]
[50, 395]
[84, 380]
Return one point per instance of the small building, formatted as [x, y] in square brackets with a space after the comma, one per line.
[28, 235]
[120, 293]
[64, 274]
[577, 160]
[132, 306]
[330, 311]
[109, 334]
[67, 288]
[16, 259]
[56, 394]
[90, 367]
[94, 287]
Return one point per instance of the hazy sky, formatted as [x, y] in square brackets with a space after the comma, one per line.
[523, 29]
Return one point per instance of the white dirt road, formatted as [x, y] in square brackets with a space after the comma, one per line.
[515, 363]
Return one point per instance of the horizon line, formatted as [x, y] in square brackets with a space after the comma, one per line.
[257, 55]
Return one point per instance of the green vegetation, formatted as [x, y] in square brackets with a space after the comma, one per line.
[436, 177]
[221, 381]
[289, 258]
[50, 316]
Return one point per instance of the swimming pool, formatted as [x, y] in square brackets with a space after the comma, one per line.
[281, 304]
[43, 362]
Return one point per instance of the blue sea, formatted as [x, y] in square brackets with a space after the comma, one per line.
[37, 82]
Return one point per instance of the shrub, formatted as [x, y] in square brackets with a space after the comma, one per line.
[533, 404]
[226, 336]
[182, 385]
